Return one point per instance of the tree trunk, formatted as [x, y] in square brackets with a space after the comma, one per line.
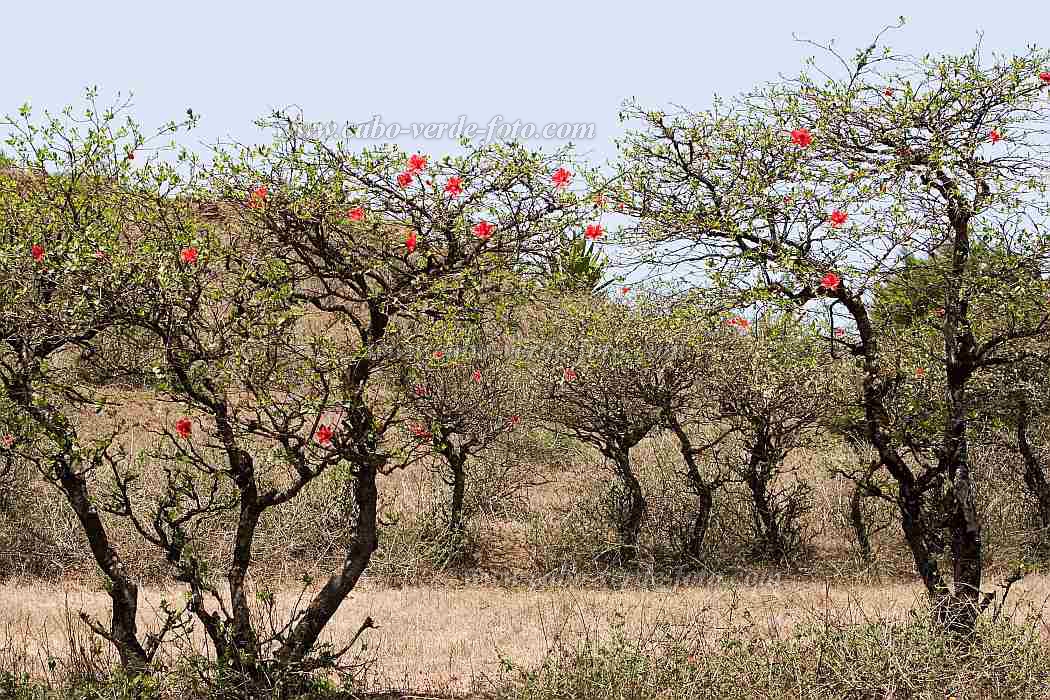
[701, 520]
[757, 478]
[456, 464]
[123, 592]
[860, 526]
[1034, 475]
[327, 601]
[966, 544]
[633, 508]
[705, 492]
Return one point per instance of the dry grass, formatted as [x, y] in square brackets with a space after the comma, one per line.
[453, 639]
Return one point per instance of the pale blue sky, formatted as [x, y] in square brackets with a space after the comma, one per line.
[417, 62]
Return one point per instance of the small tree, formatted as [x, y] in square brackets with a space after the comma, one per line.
[610, 374]
[381, 242]
[771, 391]
[71, 211]
[465, 400]
[814, 193]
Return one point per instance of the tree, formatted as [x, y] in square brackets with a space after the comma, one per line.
[379, 243]
[771, 391]
[71, 211]
[465, 401]
[813, 193]
[611, 374]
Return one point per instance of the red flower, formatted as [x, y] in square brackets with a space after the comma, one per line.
[454, 186]
[183, 427]
[420, 390]
[514, 420]
[416, 163]
[801, 137]
[420, 431]
[939, 313]
[995, 136]
[438, 355]
[569, 374]
[37, 251]
[483, 229]
[189, 255]
[410, 241]
[257, 197]
[839, 332]
[624, 290]
[919, 371]
[131, 155]
[324, 434]
[476, 376]
[740, 321]
[561, 177]
[594, 231]
[8, 440]
[404, 178]
[356, 214]
[1045, 76]
[830, 281]
[838, 218]
[888, 92]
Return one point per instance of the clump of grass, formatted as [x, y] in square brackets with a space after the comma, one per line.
[830, 655]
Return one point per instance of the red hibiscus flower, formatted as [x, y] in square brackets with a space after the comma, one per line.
[420, 390]
[7, 440]
[37, 251]
[189, 255]
[561, 177]
[839, 332]
[801, 137]
[420, 431]
[569, 374]
[483, 229]
[514, 420]
[594, 232]
[837, 218]
[624, 290]
[438, 355]
[403, 179]
[830, 281]
[995, 136]
[356, 214]
[183, 427]
[416, 163]
[324, 434]
[410, 241]
[919, 371]
[1045, 77]
[258, 197]
[454, 186]
[739, 321]
[476, 376]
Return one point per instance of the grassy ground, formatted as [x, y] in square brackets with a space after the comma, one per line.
[530, 614]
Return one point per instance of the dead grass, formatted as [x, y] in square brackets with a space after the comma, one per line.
[453, 639]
